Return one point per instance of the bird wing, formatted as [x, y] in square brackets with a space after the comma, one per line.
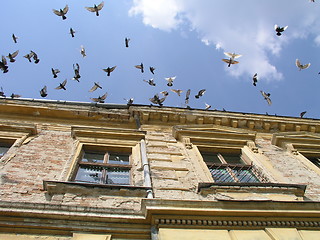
[298, 64]
[276, 27]
[56, 12]
[95, 99]
[93, 88]
[100, 6]
[226, 60]
[153, 100]
[4, 60]
[269, 100]
[202, 91]
[66, 9]
[64, 82]
[15, 54]
[90, 9]
[305, 66]
[113, 68]
[104, 96]
[284, 28]
[138, 66]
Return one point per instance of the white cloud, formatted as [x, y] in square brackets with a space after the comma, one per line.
[245, 27]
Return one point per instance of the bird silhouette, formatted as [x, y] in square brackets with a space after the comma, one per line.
[13, 95]
[126, 42]
[11, 56]
[255, 79]
[62, 85]
[230, 61]
[170, 80]
[177, 91]
[35, 57]
[164, 93]
[279, 30]
[150, 82]
[95, 87]
[100, 99]
[266, 97]
[302, 114]
[129, 101]
[14, 38]
[152, 69]
[156, 100]
[76, 69]
[2, 93]
[140, 67]
[55, 72]
[186, 101]
[301, 66]
[207, 106]
[3, 65]
[232, 55]
[72, 32]
[83, 51]
[108, 70]
[61, 12]
[95, 8]
[43, 92]
[200, 93]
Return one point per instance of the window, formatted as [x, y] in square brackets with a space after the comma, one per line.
[5, 145]
[103, 167]
[229, 168]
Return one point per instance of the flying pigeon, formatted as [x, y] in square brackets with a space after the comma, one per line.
[230, 61]
[200, 93]
[266, 97]
[61, 12]
[279, 30]
[302, 114]
[95, 87]
[35, 57]
[62, 85]
[255, 79]
[72, 32]
[140, 67]
[186, 101]
[28, 56]
[3, 65]
[11, 56]
[76, 69]
[43, 92]
[96, 8]
[177, 91]
[100, 99]
[83, 51]
[54, 72]
[150, 82]
[108, 70]
[157, 100]
[152, 69]
[126, 41]
[207, 106]
[13, 95]
[170, 80]
[2, 93]
[164, 93]
[14, 37]
[300, 66]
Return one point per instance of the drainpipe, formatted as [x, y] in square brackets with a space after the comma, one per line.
[146, 168]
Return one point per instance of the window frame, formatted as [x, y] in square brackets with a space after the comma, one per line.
[106, 152]
[230, 168]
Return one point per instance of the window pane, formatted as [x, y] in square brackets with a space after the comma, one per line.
[245, 175]
[93, 157]
[3, 150]
[116, 158]
[232, 159]
[221, 175]
[89, 174]
[210, 158]
[118, 176]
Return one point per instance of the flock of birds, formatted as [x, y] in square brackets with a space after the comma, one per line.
[158, 98]
[232, 56]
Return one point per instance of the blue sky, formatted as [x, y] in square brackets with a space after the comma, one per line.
[182, 38]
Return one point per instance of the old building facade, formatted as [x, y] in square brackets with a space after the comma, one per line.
[72, 170]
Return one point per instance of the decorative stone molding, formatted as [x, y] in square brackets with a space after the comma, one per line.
[187, 143]
[235, 222]
[252, 146]
[291, 149]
